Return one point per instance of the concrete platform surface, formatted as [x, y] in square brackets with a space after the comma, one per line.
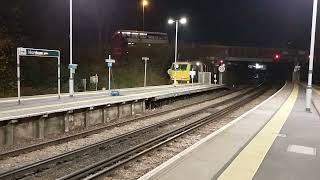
[294, 155]
[208, 158]
[39, 105]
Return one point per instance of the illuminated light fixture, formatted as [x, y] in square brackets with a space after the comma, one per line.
[258, 66]
[128, 33]
[145, 3]
[171, 21]
[183, 20]
[198, 63]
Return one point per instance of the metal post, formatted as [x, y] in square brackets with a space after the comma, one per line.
[313, 36]
[109, 76]
[71, 81]
[220, 78]
[18, 77]
[109, 80]
[145, 73]
[176, 54]
[59, 78]
[192, 80]
[97, 82]
[143, 17]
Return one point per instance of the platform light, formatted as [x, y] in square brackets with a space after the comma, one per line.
[259, 66]
[171, 21]
[145, 3]
[183, 20]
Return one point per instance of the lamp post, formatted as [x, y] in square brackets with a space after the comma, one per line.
[313, 36]
[145, 59]
[144, 4]
[177, 21]
[71, 79]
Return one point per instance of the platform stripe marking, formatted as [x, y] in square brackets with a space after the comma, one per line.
[246, 164]
[302, 150]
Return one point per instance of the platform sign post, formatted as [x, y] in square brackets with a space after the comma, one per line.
[36, 53]
[145, 59]
[110, 62]
[221, 69]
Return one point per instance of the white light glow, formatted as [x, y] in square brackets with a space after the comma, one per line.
[183, 20]
[260, 66]
[171, 21]
[145, 3]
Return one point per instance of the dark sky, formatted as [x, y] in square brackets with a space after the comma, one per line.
[265, 23]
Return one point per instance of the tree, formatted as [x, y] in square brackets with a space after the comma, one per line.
[7, 72]
[11, 36]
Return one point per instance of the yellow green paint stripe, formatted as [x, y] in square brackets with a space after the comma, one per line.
[246, 164]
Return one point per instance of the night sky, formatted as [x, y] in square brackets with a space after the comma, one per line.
[263, 23]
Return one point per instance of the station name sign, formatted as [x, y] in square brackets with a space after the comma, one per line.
[38, 52]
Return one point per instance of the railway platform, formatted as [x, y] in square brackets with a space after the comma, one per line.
[276, 140]
[39, 117]
[37, 105]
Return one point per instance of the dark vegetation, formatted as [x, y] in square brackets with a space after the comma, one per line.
[44, 24]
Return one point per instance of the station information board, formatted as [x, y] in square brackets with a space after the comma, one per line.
[38, 52]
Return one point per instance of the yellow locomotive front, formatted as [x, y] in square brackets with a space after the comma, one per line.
[182, 72]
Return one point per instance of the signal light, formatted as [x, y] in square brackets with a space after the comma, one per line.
[277, 57]
[221, 62]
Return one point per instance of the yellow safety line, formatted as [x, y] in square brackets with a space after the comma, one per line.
[246, 164]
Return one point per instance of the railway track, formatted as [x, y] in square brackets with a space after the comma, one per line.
[80, 135]
[118, 159]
